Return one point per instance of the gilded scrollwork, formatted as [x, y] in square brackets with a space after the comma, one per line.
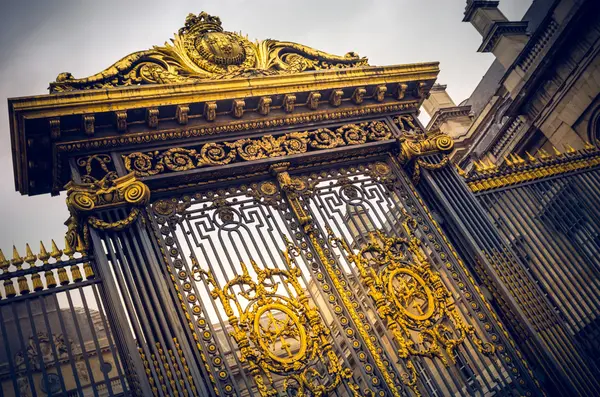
[202, 50]
[411, 297]
[250, 149]
[110, 191]
[278, 330]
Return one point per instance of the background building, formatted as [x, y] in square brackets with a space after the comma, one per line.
[540, 93]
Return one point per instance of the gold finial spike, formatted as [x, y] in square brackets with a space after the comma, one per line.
[508, 162]
[476, 166]
[543, 154]
[556, 151]
[80, 246]
[43, 255]
[56, 253]
[588, 146]
[570, 149]
[530, 157]
[461, 172]
[16, 260]
[4, 263]
[519, 159]
[491, 165]
[29, 256]
[68, 251]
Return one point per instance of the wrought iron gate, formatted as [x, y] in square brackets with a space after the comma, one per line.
[334, 280]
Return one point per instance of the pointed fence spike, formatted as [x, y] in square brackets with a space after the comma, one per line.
[29, 256]
[56, 253]
[80, 247]
[530, 157]
[43, 255]
[68, 249]
[556, 151]
[16, 260]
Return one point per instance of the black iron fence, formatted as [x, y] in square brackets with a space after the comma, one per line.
[55, 337]
[550, 215]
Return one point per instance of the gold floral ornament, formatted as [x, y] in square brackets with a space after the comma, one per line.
[411, 298]
[250, 149]
[108, 192]
[279, 333]
[202, 50]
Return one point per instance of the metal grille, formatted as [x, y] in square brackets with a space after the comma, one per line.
[232, 254]
[354, 202]
[54, 331]
[554, 226]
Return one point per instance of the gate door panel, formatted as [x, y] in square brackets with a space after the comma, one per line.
[418, 300]
[266, 320]
[334, 282]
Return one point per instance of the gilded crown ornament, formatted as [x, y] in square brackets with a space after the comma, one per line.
[201, 50]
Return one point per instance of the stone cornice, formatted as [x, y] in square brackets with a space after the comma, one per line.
[448, 113]
[500, 29]
[473, 5]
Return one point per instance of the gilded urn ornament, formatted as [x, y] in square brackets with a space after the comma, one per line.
[201, 50]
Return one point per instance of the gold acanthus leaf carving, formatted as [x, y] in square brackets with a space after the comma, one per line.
[202, 50]
[250, 149]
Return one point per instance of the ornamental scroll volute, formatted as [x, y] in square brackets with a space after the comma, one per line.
[202, 50]
[411, 297]
[97, 194]
[281, 336]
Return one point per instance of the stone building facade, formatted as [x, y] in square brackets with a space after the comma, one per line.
[540, 93]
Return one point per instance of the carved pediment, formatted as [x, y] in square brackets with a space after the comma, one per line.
[201, 50]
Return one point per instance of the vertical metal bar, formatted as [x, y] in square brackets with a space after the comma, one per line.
[9, 355]
[117, 317]
[52, 344]
[68, 344]
[131, 301]
[23, 348]
[95, 339]
[36, 341]
[109, 337]
[81, 343]
[144, 286]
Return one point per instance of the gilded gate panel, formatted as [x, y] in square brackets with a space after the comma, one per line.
[265, 316]
[387, 253]
[330, 282]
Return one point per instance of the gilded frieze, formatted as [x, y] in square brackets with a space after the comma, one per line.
[250, 149]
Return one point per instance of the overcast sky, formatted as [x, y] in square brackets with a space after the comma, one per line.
[39, 39]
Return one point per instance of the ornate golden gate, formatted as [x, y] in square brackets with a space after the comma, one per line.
[331, 280]
[258, 232]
